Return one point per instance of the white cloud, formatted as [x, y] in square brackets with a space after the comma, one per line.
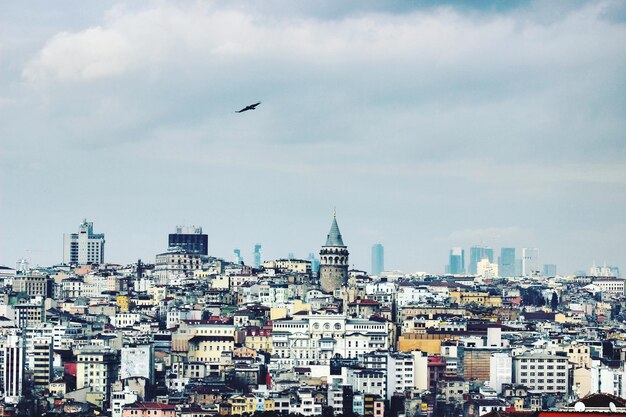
[87, 55]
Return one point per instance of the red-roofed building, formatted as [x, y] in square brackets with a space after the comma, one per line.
[148, 409]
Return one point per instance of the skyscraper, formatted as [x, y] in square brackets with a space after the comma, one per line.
[257, 255]
[83, 247]
[333, 260]
[549, 270]
[237, 259]
[507, 262]
[530, 262]
[378, 259]
[456, 264]
[315, 263]
[190, 239]
[477, 253]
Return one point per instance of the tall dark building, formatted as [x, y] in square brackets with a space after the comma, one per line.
[506, 267]
[190, 239]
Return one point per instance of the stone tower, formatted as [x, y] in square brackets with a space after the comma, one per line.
[333, 260]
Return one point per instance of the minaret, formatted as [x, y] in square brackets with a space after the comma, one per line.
[333, 260]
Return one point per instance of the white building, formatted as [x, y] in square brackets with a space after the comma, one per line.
[83, 247]
[500, 370]
[609, 380]
[318, 338]
[486, 269]
[546, 373]
[610, 285]
[398, 370]
[175, 264]
[12, 365]
[137, 362]
[530, 262]
[121, 398]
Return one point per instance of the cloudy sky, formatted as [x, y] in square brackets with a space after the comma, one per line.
[426, 124]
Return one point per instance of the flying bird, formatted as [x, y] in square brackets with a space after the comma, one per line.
[250, 107]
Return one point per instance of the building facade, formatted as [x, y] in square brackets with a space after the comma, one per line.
[546, 373]
[83, 247]
[190, 239]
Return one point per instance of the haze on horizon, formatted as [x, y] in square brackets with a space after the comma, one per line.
[428, 125]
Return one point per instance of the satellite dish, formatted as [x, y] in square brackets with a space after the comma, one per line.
[612, 406]
[579, 407]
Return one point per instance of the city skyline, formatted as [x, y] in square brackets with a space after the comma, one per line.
[459, 123]
[482, 251]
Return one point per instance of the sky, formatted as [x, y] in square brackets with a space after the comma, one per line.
[427, 125]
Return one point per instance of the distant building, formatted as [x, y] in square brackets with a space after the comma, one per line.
[257, 255]
[333, 260]
[456, 263]
[549, 270]
[604, 271]
[507, 262]
[83, 247]
[478, 253]
[190, 239]
[237, 259]
[293, 265]
[530, 262]
[378, 259]
[315, 263]
[487, 269]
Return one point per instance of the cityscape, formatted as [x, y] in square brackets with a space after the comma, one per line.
[313, 208]
[192, 334]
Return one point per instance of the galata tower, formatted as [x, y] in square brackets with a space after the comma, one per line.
[333, 260]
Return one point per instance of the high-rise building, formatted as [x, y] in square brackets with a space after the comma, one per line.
[83, 247]
[257, 255]
[333, 260]
[378, 259]
[530, 262]
[190, 239]
[12, 357]
[507, 262]
[237, 259]
[96, 368]
[42, 362]
[549, 270]
[315, 263]
[456, 263]
[478, 253]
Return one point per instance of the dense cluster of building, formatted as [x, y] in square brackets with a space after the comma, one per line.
[194, 335]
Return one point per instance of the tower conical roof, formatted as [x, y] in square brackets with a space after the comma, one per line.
[334, 236]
